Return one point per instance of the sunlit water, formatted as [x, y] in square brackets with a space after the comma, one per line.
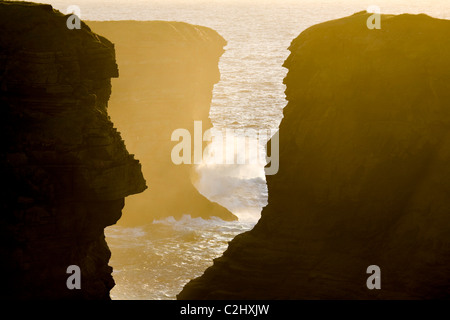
[156, 260]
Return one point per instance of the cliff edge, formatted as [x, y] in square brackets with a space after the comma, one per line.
[364, 176]
[167, 75]
[65, 168]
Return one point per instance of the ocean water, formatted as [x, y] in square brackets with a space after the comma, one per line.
[155, 260]
[162, 256]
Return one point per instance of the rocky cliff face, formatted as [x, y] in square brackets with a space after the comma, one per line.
[167, 74]
[65, 168]
[364, 176]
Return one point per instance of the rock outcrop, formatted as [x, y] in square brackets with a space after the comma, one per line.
[167, 74]
[364, 173]
[65, 168]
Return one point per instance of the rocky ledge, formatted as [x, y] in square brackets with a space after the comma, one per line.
[65, 168]
[364, 173]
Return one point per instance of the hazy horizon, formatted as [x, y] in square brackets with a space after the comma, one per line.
[121, 9]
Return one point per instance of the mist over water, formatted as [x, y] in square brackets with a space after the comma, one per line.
[156, 260]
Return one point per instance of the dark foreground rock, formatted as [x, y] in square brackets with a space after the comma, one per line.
[65, 168]
[167, 74]
[364, 173]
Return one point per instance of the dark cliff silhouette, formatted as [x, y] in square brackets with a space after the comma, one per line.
[167, 74]
[65, 168]
[364, 173]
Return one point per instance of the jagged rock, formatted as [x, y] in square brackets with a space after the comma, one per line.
[364, 174]
[167, 74]
[65, 168]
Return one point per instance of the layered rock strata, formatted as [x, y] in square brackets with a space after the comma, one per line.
[65, 168]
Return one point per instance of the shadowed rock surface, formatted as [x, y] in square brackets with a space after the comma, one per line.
[364, 173]
[65, 168]
[167, 74]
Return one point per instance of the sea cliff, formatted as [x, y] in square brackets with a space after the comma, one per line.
[167, 74]
[364, 176]
[65, 168]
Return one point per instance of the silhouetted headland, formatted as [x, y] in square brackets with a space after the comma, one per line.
[65, 168]
[364, 174]
[167, 74]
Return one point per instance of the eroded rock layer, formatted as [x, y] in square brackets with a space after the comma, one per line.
[167, 74]
[364, 173]
[65, 168]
